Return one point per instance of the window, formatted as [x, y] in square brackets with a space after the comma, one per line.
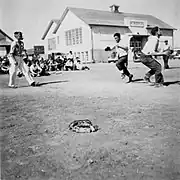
[137, 44]
[73, 36]
[52, 44]
[86, 56]
[77, 36]
[82, 55]
[57, 39]
[66, 38]
[69, 38]
[80, 35]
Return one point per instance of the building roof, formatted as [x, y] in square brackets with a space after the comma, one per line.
[49, 26]
[3, 34]
[4, 43]
[99, 17]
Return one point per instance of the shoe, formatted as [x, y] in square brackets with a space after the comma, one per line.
[123, 76]
[152, 84]
[167, 67]
[34, 84]
[157, 85]
[147, 79]
[12, 86]
[130, 78]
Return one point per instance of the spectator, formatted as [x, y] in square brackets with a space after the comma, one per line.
[69, 65]
[43, 68]
[71, 56]
[52, 65]
[80, 66]
[35, 70]
[168, 49]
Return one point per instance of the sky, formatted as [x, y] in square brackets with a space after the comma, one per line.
[32, 16]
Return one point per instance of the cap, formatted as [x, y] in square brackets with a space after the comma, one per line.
[18, 33]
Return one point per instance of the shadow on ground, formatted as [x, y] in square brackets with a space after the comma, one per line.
[174, 67]
[52, 82]
[46, 83]
[171, 82]
[137, 80]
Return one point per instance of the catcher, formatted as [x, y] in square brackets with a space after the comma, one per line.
[122, 56]
[16, 62]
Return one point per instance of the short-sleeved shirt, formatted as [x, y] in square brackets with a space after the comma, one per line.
[151, 45]
[70, 56]
[167, 47]
[17, 48]
[69, 63]
[124, 43]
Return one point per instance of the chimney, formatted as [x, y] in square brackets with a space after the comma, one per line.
[114, 8]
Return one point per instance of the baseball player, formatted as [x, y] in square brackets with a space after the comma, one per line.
[147, 58]
[167, 48]
[16, 61]
[122, 56]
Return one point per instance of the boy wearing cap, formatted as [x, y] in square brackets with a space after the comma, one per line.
[167, 49]
[16, 61]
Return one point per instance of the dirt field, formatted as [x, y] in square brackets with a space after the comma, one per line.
[139, 137]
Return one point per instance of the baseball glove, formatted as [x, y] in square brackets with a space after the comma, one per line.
[83, 126]
[107, 48]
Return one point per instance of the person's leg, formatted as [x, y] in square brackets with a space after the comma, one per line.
[156, 69]
[159, 79]
[25, 70]
[148, 62]
[86, 67]
[12, 72]
[121, 65]
[148, 75]
[166, 58]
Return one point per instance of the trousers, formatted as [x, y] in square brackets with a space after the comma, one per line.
[154, 66]
[23, 68]
[166, 59]
[121, 65]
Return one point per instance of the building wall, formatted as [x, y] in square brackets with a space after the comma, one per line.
[4, 49]
[94, 38]
[103, 37]
[82, 49]
[50, 35]
[167, 34]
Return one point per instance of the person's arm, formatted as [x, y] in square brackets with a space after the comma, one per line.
[32, 70]
[110, 49]
[11, 53]
[124, 48]
[158, 53]
[113, 48]
[39, 67]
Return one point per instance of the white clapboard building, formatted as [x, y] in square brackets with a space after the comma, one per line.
[5, 43]
[86, 32]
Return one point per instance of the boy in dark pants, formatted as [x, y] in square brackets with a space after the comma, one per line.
[150, 50]
[167, 48]
[122, 54]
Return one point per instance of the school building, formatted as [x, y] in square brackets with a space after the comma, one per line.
[5, 43]
[86, 32]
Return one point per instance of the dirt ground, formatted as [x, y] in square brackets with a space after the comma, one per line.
[139, 136]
